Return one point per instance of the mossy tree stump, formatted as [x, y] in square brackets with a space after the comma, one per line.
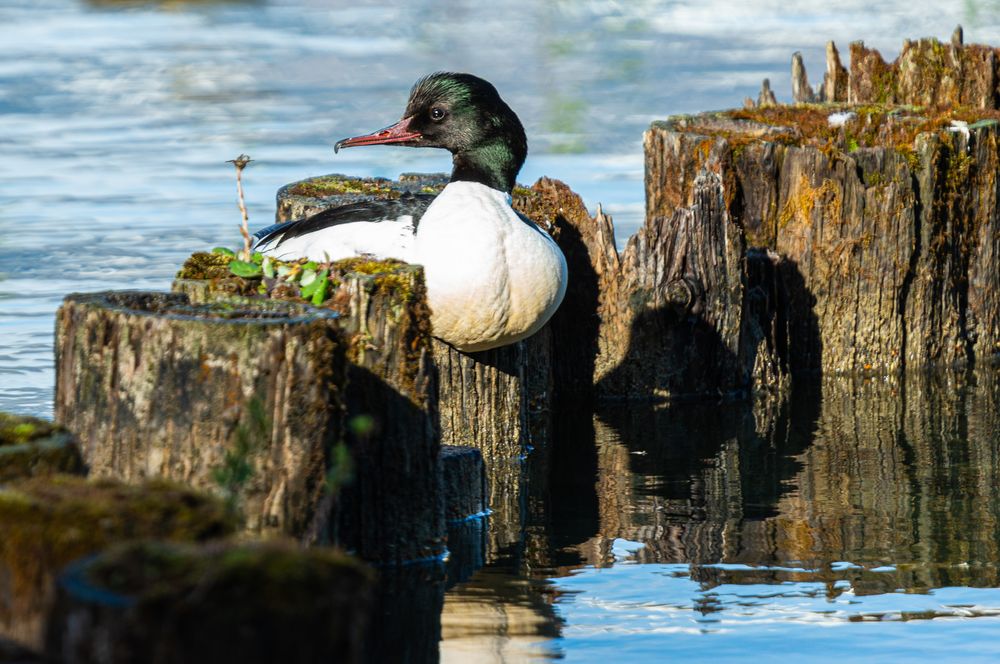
[391, 511]
[162, 602]
[880, 238]
[389, 507]
[243, 400]
[48, 522]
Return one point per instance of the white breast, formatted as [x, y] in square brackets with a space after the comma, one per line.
[493, 278]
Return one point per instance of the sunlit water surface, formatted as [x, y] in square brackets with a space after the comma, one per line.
[858, 523]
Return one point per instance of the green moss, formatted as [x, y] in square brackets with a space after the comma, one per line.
[875, 125]
[367, 265]
[335, 185]
[389, 278]
[57, 453]
[228, 602]
[48, 522]
[17, 429]
[204, 265]
[73, 509]
[151, 569]
[31, 447]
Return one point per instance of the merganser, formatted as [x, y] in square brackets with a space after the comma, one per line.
[493, 277]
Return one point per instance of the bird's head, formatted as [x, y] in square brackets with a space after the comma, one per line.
[465, 115]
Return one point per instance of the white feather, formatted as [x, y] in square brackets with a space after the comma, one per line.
[389, 238]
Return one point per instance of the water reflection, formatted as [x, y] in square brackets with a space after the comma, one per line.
[852, 501]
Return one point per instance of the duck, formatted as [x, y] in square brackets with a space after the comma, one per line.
[493, 276]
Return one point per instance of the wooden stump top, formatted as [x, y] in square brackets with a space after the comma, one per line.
[179, 306]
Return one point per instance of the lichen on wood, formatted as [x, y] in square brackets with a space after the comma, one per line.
[155, 386]
[307, 197]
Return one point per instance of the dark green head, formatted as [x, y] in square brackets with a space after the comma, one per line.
[464, 115]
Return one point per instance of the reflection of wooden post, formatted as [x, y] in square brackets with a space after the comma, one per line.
[901, 471]
[156, 387]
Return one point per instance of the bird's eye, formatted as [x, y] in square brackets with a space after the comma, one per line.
[437, 114]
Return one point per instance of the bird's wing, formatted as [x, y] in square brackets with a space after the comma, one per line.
[371, 211]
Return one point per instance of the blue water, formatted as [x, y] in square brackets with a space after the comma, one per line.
[116, 119]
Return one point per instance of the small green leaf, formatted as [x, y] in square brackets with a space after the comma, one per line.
[319, 293]
[311, 265]
[257, 257]
[268, 267]
[308, 276]
[225, 252]
[284, 270]
[244, 269]
[361, 425]
[852, 145]
[307, 291]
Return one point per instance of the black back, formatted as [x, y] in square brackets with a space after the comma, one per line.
[372, 211]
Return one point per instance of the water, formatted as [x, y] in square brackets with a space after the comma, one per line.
[861, 524]
[855, 520]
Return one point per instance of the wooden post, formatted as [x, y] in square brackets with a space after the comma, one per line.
[391, 511]
[881, 251]
[390, 401]
[237, 399]
[31, 447]
[484, 398]
[48, 522]
[170, 603]
[463, 479]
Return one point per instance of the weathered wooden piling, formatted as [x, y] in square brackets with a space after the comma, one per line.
[390, 511]
[244, 400]
[881, 234]
[172, 603]
[31, 447]
[390, 401]
[463, 480]
[48, 522]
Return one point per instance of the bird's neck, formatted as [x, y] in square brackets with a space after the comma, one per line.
[493, 164]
